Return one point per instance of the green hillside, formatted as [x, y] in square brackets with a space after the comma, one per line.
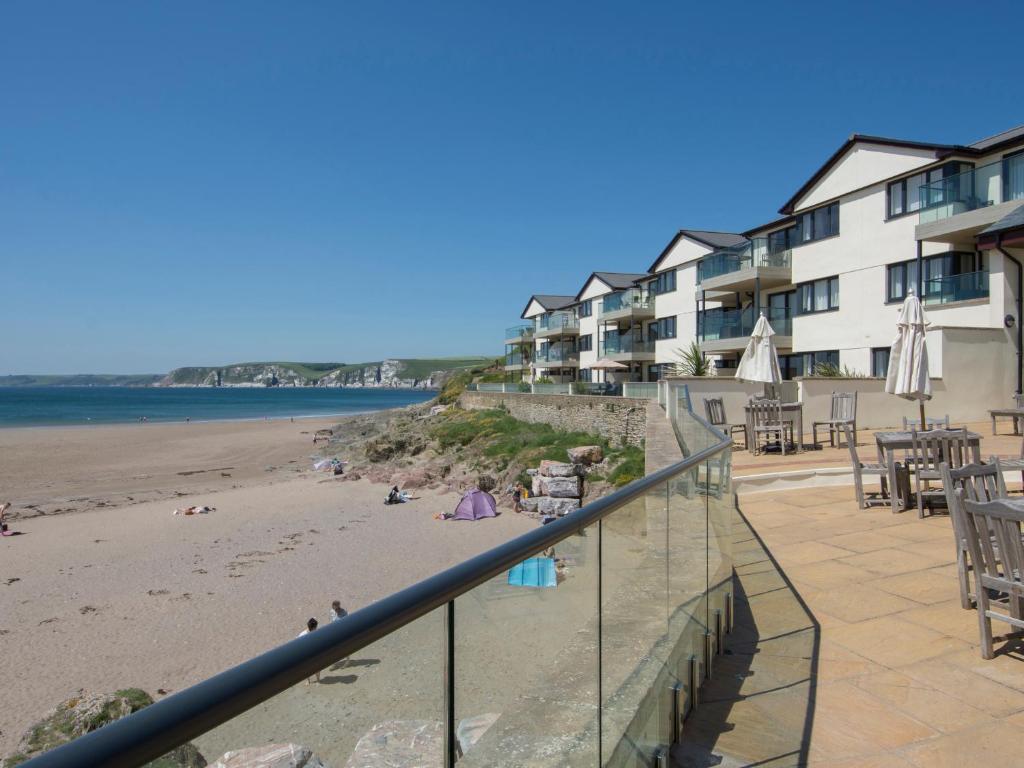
[81, 380]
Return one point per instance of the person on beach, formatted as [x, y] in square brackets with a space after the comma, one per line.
[3, 525]
[337, 612]
[311, 626]
[396, 496]
[517, 497]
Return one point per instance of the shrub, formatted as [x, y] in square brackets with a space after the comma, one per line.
[630, 466]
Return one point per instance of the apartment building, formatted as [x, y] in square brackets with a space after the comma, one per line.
[879, 217]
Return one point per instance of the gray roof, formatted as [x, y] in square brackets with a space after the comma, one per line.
[1013, 133]
[1013, 220]
[551, 301]
[714, 239]
[620, 279]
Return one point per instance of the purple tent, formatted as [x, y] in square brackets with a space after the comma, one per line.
[474, 505]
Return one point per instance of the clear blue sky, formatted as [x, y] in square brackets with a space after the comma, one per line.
[201, 183]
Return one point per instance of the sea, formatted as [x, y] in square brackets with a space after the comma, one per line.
[76, 406]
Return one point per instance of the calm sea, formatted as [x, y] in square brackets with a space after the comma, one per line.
[65, 406]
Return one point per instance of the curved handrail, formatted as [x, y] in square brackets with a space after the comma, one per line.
[181, 717]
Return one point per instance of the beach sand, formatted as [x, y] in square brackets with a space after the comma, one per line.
[121, 593]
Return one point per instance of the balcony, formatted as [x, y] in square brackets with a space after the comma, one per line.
[745, 267]
[726, 330]
[557, 356]
[516, 361]
[518, 334]
[965, 287]
[961, 205]
[627, 305]
[557, 324]
[626, 348]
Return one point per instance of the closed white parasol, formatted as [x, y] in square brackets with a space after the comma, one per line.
[907, 376]
[760, 361]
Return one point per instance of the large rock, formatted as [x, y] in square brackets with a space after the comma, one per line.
[561, 487]
[86, 713]
[557, 469]
[537, 485]
[557, 507]
[400, 744]
[271, 756]
[586, 454]
[529, 504]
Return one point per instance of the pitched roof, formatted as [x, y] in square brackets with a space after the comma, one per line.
[999, 138]
[711, 239]
[549, 301]
[614, 280]
[1013, 220]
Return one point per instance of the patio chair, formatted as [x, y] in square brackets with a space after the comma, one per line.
[911, 424]
[1013, 462]
[976, 482]
[861, 468]
[843, 413]
[993, 533]
[714, 409]
[766, 420]
[929, 449]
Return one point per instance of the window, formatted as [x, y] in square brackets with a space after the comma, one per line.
[804, 363]
[818, 296]
[880, 361]
[903, 276]
[584, 374]
[586, 342]
[655, 372]
[663, 283]
[904, 196]
[664, 328]
[1013, 176]
[810, 226]
[586, 308]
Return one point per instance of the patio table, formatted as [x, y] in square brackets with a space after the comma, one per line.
[791, 412]
[888, 443]
[1017, 414]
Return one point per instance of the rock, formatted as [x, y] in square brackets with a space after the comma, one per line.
[416, 478]
[586, 454]
[529, 504]
[561, 487]
[271, 756]
[86, 713]
[557, 469]
[391, 446]
[536, 486]
[532, 472]
[354, 476]
[557, 507]
[408, 743]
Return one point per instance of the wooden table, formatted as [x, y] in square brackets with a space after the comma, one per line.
[888, 443]
[791, 412]
[1017, 414]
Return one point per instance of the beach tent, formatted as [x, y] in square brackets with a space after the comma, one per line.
[474, 505]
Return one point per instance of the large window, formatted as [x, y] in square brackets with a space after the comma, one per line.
[903, 276]
[586, 342]
[804, 363]
[880, 361]
[818, 296]
[810, 226]
[656, 372]
[664, 328]
[1013, 176]
[584, 374]
[904, 196]
[665, 282]
[586, 308]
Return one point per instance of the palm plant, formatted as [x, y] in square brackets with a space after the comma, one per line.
[692, 361]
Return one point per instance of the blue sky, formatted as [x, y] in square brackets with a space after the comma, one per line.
[201, 183]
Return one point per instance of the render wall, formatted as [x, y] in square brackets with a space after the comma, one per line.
[616, 418]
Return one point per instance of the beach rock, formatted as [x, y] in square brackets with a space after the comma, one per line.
[486, 483]
[586, 454]
[557, 469]
[416, 478]
[529, 504]
[561, 487]
[536, 486]
[271, 756]
[390, 446]
[407, 743]
[557, 507]
[86, 713]
[532, 472]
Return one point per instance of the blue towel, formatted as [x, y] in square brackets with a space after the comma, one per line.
[535, 572]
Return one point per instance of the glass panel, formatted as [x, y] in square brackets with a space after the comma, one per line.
[1014, 177]
[820, 295]
[914, 191]
[526, 661]
[390, 691]
[896, 198]
[833, 292]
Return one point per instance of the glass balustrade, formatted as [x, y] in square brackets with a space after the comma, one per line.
[977, 188]
[629, 299]
[754, 253]
[556, 354]
[718, 324]
[557, 321]
[943, 290]
[625, 345]
[519, 332]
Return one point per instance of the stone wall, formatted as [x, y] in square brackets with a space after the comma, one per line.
[616, 418]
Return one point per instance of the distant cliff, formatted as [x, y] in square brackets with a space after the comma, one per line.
[429, 373]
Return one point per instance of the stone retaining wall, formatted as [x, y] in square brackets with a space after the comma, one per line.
[616, 418]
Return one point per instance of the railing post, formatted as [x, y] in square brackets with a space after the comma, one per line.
[451, 742]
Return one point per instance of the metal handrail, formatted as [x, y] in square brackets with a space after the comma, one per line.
[159, 728]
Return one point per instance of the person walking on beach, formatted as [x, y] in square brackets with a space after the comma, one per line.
[337, 612]
[517, 497]
[311, 626]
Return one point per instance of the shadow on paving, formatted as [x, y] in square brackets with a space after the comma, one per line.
[758, 708]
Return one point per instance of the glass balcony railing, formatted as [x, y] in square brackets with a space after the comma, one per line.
[625, 345]
[944, 290]
[631, 299]
[754, 253]
[718, 324]
[556, 354]
[557, 321]
[519, 332]
[583, 642]
[517, 358]
[979, 187]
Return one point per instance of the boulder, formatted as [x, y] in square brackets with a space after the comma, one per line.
[529, 504]
[586, 454]
[557, 469]
[408, 743]
[271, 756]
[561, 487]
[532, 472]
[415, 478]
[536, 485]
[557, 507]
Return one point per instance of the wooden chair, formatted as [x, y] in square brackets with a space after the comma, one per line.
[766, 419]
[1013, 462]
[861, 468]
[714, 409]
[929, 449]
[843, 413]
[976, 482]
[993, 533]
[911, 424]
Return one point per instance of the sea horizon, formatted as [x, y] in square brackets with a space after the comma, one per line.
[92, 405]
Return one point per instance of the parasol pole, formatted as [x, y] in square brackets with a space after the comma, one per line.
[924, 424]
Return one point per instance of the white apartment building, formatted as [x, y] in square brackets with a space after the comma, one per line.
[880, 216]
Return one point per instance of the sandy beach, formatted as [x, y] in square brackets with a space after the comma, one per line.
[105, 588]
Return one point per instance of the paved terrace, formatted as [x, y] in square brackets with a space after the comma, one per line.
[850, 648]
